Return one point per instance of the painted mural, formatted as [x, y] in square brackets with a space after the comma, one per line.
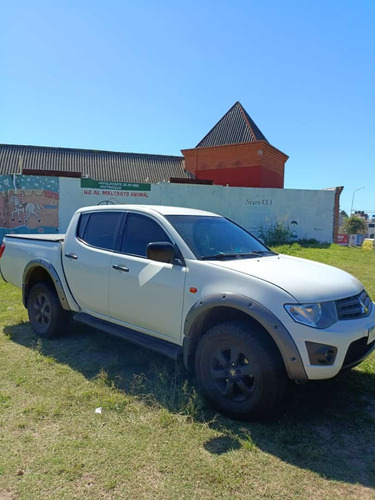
[28, 204]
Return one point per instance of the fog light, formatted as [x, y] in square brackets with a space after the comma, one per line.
[321, 354]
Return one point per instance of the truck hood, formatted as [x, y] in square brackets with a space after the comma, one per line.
[305, 280]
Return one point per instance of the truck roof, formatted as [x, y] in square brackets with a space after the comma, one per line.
[161, 209]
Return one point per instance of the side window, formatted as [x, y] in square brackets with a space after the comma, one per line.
[99, 229]
[83, 220]
[139, 232]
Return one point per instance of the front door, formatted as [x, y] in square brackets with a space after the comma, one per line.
[145, 294]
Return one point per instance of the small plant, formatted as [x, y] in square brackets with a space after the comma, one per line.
[103, 379]
[277, 233]
[166, 388]
[191, 403]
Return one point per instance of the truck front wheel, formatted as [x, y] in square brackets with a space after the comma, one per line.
[240, 371]
[46, 315]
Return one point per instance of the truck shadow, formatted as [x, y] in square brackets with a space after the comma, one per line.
[325, 427]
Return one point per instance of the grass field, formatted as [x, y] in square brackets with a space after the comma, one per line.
[154, 437]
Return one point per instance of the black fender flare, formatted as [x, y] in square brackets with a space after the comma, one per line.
[281, 336]
[51, 271]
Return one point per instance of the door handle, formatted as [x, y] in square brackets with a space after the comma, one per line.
[71, 256]
[120, 268]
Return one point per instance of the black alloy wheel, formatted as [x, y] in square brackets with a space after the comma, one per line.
[232, 373]
[46, 315]
[240, 370]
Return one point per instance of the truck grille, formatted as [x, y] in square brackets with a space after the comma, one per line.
[357, 306]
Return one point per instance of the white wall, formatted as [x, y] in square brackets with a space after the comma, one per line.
[310, 213]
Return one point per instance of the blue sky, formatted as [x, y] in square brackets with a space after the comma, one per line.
[155, 77]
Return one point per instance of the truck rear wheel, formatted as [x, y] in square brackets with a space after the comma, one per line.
[240, 371]
[46, 315]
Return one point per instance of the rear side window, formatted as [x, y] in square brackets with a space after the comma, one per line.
[83, 220]
[139, 232]
[99, 229]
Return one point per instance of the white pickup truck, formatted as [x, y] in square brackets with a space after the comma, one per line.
[192, 283]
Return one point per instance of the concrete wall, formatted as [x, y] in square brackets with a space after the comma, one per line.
[30, 204]
[309, 213]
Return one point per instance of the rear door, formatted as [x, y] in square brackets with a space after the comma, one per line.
[87, 259]
[145, 294]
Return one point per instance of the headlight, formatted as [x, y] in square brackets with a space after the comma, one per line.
[319, 315]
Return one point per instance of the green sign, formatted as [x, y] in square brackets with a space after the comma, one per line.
[114, 186]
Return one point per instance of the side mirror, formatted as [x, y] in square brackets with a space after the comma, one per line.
[161, 251]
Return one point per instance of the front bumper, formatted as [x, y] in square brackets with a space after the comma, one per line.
[327, 351]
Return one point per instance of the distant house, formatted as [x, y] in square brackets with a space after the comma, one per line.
[369, 221]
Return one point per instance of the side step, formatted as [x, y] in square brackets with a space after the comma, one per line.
[154, 344]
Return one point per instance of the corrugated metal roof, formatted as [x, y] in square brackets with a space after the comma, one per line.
[99, 165]
[235, 127]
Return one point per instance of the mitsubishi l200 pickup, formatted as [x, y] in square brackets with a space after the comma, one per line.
[191, 283]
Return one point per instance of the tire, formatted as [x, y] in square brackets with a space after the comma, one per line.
[46, 315]
[240, 371]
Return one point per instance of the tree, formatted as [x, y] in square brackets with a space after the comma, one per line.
[354, 225]
[344, 214]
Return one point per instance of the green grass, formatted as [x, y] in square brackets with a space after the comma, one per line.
[155, 438]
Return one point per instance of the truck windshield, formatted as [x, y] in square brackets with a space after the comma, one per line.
[217, 238]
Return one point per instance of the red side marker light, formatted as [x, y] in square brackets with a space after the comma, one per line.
[2, 248]
[192, 289]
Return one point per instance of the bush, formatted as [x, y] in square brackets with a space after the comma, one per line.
[280, 233]
[276, 234]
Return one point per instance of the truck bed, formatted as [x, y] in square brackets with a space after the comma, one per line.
[24, 248]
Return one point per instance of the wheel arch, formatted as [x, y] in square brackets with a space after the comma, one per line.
[41, 270]
[218, 308]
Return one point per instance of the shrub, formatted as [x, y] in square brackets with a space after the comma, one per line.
[275, 234]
